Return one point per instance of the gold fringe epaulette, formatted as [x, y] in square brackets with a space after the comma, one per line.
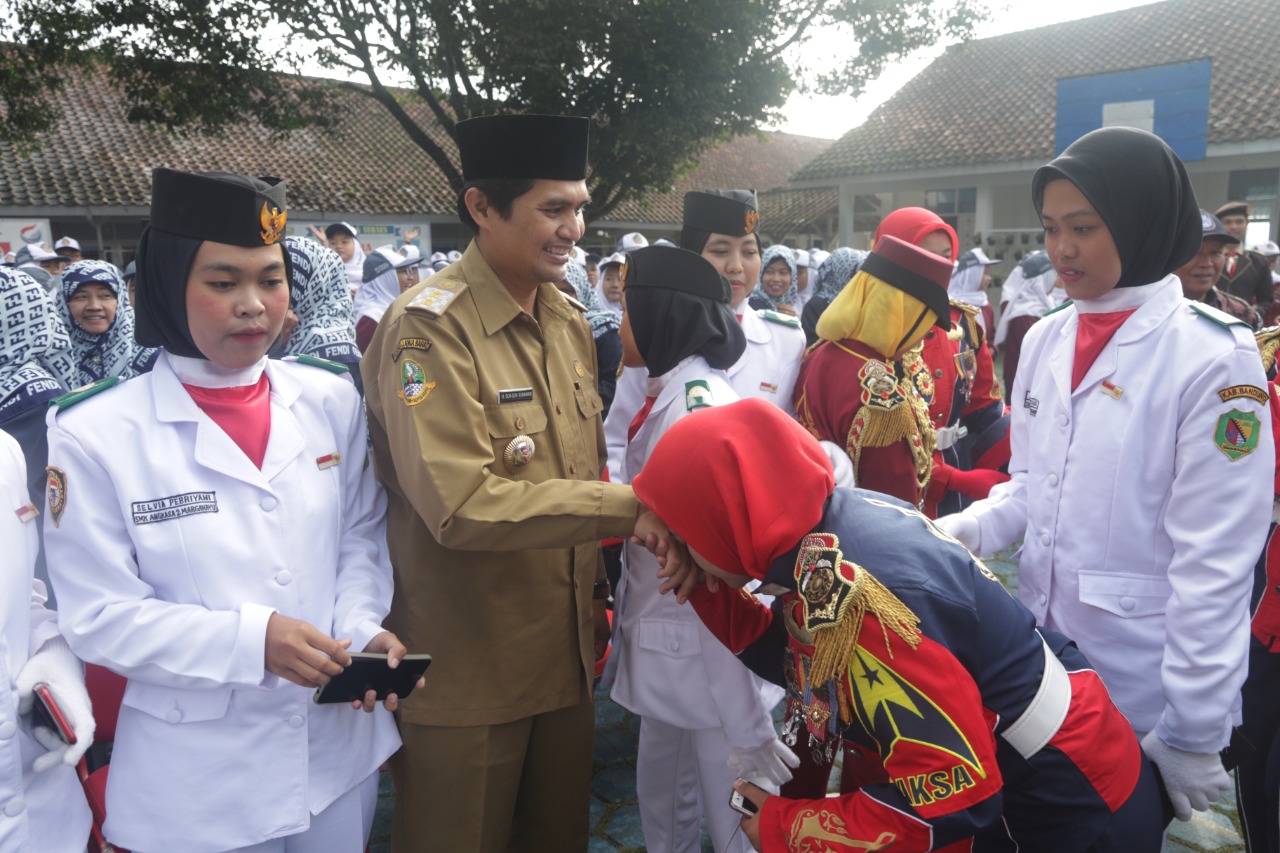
[1268, 345]
[837, 597]
[890, 412]
[971, 325]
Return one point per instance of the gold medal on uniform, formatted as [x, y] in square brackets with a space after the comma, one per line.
[518, 453]
[579, 369]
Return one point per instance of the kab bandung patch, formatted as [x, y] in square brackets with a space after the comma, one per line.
[1237, 434]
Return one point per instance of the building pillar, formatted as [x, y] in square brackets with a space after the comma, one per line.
[844, 229]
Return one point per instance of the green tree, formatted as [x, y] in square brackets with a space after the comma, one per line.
[662, 80]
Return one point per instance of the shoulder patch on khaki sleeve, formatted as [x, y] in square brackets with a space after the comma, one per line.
[414, 387]
[1253, 392]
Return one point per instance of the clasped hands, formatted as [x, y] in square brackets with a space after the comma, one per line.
[677, 570]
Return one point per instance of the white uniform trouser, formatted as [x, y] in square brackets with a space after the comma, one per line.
[343, 827]
[682, 775]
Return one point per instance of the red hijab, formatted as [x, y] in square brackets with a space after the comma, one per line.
[913, 224]
[742, 484]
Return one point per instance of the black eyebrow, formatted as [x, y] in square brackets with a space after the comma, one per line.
[235, 270]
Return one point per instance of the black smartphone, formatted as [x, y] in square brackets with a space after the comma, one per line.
[369, 671]
[49, 715]
[742, 805]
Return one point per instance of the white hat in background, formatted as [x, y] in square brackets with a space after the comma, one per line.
[631, 242]
[616, 259]
[1269, 248]
[454, 256]
[66, 243]
[412, 256]
[802, 258]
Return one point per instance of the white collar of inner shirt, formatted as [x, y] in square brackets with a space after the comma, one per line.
[203, 373]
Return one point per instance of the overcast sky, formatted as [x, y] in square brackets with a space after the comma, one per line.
[832, 117]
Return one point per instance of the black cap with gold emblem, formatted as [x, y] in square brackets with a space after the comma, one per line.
[218, 206]
[731, 212]
[187, 210]
[524, 146]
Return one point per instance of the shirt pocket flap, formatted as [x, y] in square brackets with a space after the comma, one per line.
[589, 402]
[1125, 595]
[507, 420]
[674, 639]
[176, 705]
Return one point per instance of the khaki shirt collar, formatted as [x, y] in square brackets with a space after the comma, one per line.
[497, 307]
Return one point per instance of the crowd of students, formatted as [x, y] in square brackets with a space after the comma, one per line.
[803, 455]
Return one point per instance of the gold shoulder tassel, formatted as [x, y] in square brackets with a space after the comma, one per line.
[834, 643]
[1268, 343]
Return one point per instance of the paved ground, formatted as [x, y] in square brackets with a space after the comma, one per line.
[615, 818]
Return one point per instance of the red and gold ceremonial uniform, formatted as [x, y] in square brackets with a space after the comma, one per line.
[847, 393]
[967, 412]
[993, 735]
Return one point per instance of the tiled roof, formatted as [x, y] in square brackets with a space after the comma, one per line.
[993, 100]
[785, 212]
[763, 161]
[95, 157]
[366, 166]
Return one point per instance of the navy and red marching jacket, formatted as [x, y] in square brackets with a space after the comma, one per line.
[934, 714]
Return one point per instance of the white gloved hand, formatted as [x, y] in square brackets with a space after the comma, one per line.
[841, 462]
[772, 761]
[963, 528]
[1192, 779]
[55, 665]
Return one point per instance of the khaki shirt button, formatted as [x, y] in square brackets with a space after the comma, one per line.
[519, 423]
[573, 467]
[559, 411]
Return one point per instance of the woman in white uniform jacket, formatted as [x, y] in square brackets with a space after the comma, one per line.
[177, 559]
[720, 225]
[1144, 492]
[40, 809]
[698, 704]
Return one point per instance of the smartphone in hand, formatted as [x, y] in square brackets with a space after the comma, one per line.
[742, 805]
[48, 714]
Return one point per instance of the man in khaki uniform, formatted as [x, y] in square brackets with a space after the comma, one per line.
[486, 429]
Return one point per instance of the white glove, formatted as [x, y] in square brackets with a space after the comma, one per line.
[1192, 779]
[841, 462]
[963, 528]
[55, 665]
[772, 761]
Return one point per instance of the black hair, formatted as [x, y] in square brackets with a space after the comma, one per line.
[501, 193]
[593, 258]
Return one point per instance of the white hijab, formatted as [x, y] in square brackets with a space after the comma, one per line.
[1027, 297]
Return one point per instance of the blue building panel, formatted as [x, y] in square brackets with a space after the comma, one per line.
[1179, 93]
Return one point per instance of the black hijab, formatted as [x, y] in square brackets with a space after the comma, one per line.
[164, 263]
[1141, 190]
[678, 306]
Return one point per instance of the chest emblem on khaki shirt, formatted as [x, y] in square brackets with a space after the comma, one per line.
[414, 384]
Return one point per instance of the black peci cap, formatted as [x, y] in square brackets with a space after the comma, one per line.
[732, 212]
[675, 269]
[219, 206]
[524, 146]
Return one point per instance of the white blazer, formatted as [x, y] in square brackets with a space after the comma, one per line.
[1141, 533]
[38, 811]
[769, 367]
[668, 665]
[171, 553]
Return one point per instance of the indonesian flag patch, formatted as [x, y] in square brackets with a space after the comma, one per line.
[26, 513]
[329, 460]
